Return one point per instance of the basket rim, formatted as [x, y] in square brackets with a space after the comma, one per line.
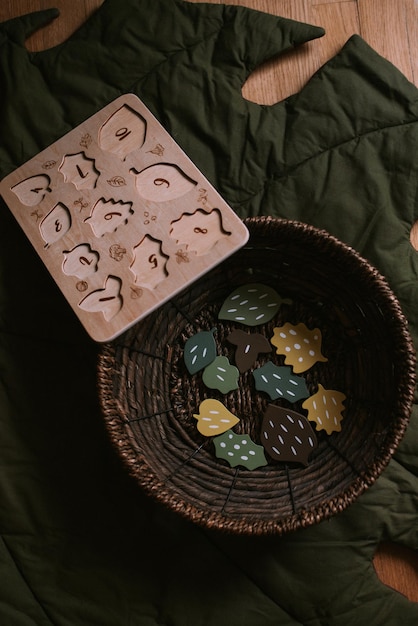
[139, 470]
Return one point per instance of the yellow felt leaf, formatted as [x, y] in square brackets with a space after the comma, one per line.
[325, 409]
[300, 345]
[214, 418]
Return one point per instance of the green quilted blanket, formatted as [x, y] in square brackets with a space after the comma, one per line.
[80, 544]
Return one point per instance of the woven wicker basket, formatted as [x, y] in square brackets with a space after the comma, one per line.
[149, 398]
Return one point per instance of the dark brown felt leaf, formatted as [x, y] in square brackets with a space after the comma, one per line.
[287, 435]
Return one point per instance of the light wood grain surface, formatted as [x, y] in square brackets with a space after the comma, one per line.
[389, 26]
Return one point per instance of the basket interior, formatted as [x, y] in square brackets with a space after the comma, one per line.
[149, 397]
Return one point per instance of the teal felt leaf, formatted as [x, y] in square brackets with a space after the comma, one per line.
[251, 304]
[199, 351]
[279, 382]
[221, 375]
[239, 450]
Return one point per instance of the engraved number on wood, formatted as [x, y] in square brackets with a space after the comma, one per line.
[122, 133]
[158, 182]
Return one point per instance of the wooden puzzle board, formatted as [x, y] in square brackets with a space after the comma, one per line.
[121, 217]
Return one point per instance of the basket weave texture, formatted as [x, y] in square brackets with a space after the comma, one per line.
[148, 397]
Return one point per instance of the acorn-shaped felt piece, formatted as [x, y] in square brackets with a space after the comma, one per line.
[249, 346]
[239, 450]
[279, 382]
[214, 418]
[199, 351]
[221, 375]
[287, 435]
[325, 409]
[301, 345]
[251, 304]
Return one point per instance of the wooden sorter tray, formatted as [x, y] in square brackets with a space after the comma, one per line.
[120, 216]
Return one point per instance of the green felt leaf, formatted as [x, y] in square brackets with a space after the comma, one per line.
[251, 304]
[279, 382]
[221, 375]
[239, 450]
[199, 351]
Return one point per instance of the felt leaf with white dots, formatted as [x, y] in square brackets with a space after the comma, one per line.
[239, 450]
[287, 436]
[199, 351]
[251, 304]
[300, 345]
[214, 418]
[325, 408]
[221, 375]
[279, 382]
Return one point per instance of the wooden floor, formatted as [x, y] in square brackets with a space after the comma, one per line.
[390, 26]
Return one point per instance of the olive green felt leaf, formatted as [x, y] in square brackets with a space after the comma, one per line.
[199, 351]
[221, 375]
[279, 382]
[239, 450]
[251, 304]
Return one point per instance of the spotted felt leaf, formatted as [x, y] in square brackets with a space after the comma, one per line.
[251, 304]
[221, 375]
[279, 382]
[214, 418]
[239, 450]
[300, 345]
[199, 351]
[325, 408]
[287, 436]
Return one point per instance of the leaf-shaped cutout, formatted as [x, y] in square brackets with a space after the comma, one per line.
[279, 382]
[56, 224]
[123, 132]
[108, 215]
[301, 345]
[81, 261]
[199, 350]
[221, 375]
[239, 450]
[325, 408]
[249, 346]
[199, 231]
[149, 263]
[107, 301]
[32, 191]
[79, 170]
[287, 436]
[162, 182]
[214, 418]
[251, 304]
